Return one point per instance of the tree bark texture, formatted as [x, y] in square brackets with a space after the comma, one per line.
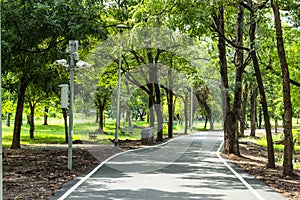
[8, 115]
[46, 112]
[31, 121]
[243, 120]
[186, 98]
[288, 137]
[170, 101]
[253, 111]
[65, 116]
[259, 118]
[101, 119]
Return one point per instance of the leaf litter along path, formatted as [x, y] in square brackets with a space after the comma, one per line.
[254, 160]
[38, 172]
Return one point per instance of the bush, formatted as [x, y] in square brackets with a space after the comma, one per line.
[296, 135]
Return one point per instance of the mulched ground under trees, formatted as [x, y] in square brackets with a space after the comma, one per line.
[38, 172]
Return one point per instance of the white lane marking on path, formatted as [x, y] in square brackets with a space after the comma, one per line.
[74, 187]
[250, 188]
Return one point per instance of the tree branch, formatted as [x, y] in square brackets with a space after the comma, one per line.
[227, 40]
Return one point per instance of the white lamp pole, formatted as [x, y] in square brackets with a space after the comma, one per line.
[121, 27]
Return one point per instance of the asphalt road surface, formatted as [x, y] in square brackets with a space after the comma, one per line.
[188, 167]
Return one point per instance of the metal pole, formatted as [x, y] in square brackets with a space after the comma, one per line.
[191, 109]
[72, 48]
[1, 169]
[118, 92]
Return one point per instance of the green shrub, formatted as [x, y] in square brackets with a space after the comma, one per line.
[296, 135]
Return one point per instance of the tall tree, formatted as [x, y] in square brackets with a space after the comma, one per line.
[102, 97]
[218, 16]
[35, 35]
[231, 114]
[287, 118]
[253, 53]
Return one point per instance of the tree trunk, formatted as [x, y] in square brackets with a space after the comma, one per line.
[253, 110]
[229, 146]
[128, 112]
[203, 102]
[151, 111]
[185, 112]
[8, 115]
[170, 100]
[128, 117]
[46, 112]
[239, 60]
[260, 118]
[154, 89]
[158, 111]
[276, 124]
[205, 123]
[243, 120]
[101, 119]
[228, 134]
[263, 99]
[31, 121]
[65, 116]
[211, 123]
[97, 117]
[19, 114]
[159, 122]
[288, 137]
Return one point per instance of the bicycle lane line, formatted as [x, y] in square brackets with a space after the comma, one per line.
[249, 187]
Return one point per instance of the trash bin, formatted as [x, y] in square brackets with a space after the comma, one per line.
[147, 136]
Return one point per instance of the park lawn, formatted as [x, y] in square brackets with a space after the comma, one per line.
[55, 134]
[278, 147]
[50, 134]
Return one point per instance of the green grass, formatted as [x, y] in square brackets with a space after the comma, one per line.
[51, 134]
[54, 134]
[278, 148]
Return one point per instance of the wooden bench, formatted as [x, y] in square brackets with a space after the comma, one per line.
[127, 129]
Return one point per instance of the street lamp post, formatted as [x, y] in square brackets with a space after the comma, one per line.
[73, 46]
[1, 164]
[121, 27]
[74, 56]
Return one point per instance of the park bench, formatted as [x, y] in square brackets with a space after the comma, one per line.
[93, 135]
[127, 129]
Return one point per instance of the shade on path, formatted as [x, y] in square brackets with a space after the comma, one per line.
[187, 167]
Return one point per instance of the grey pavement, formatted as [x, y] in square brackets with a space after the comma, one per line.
[187, 167]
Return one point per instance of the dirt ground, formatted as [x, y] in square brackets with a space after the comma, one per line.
[254, 161]
[38, 172]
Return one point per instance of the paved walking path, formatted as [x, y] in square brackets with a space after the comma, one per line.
[187, 167]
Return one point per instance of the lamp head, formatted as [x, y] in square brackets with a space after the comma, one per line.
[62, 62]
[82, 64]
[121, 27]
